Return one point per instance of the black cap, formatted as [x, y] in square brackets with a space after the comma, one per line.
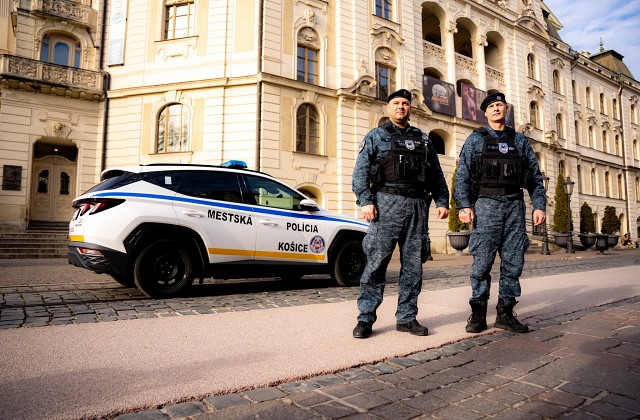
[494, 97]
[402, 93]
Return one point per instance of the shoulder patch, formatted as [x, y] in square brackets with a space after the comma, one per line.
[361, 145]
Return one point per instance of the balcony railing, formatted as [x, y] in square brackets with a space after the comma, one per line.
[466, 63]
[494, 73]
[27, 74]
[69, 10]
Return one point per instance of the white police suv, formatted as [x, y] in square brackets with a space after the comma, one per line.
[161, 226]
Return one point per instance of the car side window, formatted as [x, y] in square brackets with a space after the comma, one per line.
[213, 185]
[269, 193]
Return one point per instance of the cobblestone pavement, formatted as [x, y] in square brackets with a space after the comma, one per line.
[580, 365]
[584, 365]
[72, 303]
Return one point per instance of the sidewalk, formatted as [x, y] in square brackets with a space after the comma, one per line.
[301, 361]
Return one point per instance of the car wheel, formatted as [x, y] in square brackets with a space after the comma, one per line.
[125, 280]
[163, 269]
[349, 263]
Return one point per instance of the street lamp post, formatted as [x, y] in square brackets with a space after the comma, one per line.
[568, 189]
[545, 237]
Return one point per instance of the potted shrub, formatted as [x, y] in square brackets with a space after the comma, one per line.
[562, 223]
[610, 225]
[587, 226]
[458, 232]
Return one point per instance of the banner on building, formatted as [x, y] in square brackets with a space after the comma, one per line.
[471, 100]
[439, 96]
[117, 32]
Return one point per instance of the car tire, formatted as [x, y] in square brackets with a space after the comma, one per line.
[163, 269]
[349, 263]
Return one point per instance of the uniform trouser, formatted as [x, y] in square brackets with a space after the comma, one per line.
[400, 221]
[499, 226]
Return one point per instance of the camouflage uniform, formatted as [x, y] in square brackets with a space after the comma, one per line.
[499, 224]
[401, 220]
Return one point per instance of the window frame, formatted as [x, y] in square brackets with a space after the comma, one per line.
[308, 123]
[184, 132]
[171, 19]
[49, 44]
[383, 9]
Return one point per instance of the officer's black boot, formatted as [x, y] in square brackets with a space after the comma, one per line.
[506, 318]
[477, 322]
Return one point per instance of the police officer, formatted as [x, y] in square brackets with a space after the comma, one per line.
[495, 164]
[396, 168]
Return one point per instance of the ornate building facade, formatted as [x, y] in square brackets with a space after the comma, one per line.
[292, 86]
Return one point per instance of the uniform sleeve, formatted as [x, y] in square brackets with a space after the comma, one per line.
[535, 186]
[439, 189]
[360, 182]
[462, 186]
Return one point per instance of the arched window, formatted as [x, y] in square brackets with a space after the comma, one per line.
[531, 66]
[635, 149]
[620, 190]
[617, 145]
[385, 72]
[603, 108]
[638, 190]
[574, 91]
[559, 129]
[591, 137]
[557, 87]
[607, 185]
[43, 182]
[605, 142]
[307, 130]
[533, 114]
[580, 179]
[577, 128]
[614, 109]
[632, 114]
[562, 169]
[593, 182]
[384, 9]
[64, 183]
[438, 142]
[588, 97]
[173, 129]
[180, 19]
[307, 64]
[60, 49]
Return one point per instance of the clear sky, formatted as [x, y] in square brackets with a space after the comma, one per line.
[617, 22]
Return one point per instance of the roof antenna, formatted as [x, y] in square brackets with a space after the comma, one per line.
[601, 45]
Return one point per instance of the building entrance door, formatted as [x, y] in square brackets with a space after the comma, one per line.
[52, 189]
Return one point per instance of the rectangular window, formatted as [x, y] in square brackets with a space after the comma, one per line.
[383, 9]
[179, 20]
[307, 65]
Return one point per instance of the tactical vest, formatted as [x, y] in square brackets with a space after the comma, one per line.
[499, 170]
[407, 161]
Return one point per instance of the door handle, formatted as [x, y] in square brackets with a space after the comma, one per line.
[192, 213]
[268, 222]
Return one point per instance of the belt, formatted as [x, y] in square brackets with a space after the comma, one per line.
[499, 191]
[405, 192]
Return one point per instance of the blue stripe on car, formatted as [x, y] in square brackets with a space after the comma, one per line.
[232, 206]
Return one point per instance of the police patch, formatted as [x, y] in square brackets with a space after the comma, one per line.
[410, 144]
[316, 245]
[503, 148]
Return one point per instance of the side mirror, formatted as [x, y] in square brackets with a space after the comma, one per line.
[309, 205]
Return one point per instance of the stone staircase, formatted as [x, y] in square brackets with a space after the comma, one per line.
[42, 240]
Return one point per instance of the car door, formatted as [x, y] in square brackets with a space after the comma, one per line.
[285, 232]
[210, 202]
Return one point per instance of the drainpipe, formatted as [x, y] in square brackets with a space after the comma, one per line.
[624, 154]
[105, 88]
[259, 85]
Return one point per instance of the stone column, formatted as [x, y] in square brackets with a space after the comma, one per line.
[450, 29]
[481, 42]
